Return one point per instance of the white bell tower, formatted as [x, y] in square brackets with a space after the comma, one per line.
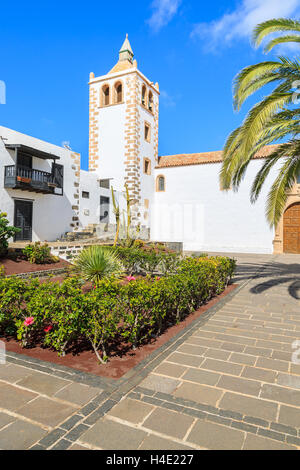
[123, 130]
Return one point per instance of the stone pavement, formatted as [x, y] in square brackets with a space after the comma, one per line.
[229, 381]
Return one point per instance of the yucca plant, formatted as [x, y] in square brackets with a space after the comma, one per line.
[97, 263]
[275, 118]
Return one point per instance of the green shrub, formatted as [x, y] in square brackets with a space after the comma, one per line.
[38, 253]
[138, 261]
[96, 263]
[58, 315]
[102, 317]
[6, 232]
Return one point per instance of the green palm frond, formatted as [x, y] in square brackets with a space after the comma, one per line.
[96, 263]
[278, 194]
[281, 40]
[263, 173]
[255, 75]
[273, 119]
[273, 26]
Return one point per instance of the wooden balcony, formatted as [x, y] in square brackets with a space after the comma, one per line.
[27, 179]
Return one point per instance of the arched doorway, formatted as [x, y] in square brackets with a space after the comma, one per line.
[291, 229]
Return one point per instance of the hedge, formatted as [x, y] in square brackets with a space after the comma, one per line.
[58, 315]
[138, 261]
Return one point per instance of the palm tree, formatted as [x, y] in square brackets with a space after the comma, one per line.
[274, 118]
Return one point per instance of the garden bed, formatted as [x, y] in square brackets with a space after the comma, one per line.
[22, 266]
[123, 358]
[111, 324]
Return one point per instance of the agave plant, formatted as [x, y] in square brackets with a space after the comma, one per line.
[97, 263]
[275, 118]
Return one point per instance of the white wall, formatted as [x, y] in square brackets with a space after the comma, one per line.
[194, 210]
[146, 150]
[52, 214]
[90, 182]
[111, 130]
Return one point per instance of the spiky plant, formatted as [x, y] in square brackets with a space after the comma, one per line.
[274, 118]
[97, 263]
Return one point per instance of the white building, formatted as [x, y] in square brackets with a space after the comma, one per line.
[177, 197]
[39, 187]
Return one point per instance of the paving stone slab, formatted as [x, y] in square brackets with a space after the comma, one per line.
[169, 423]
[131, 410]
[47, 411]
[191, 349]
[185, 359]
[273, 364]
[78, 394]
[216, 437]
[281, 394]
[262, 375]
[20, 435]
[290, 416]
[160, 384]
[201, 376]
[43, 383]
[222, 366]
[241, 358]
[237, 384]
[109, 435]
[288, 380]
[199, 393]
[13, 373]
[253, 442]
[255, 407]
[217, 354]
[153, 442]
[78, 447]
[170, 370]
[5, 419]
[12, 398]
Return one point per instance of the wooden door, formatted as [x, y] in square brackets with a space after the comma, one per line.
[23, 220]
[291, 229]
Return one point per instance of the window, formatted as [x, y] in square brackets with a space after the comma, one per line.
[144, 92]
[118, 98]
[150, 101]
[105, 184]
[105, 98]
[160, 183]
[85, 194]
[147, 166]
[147, 132]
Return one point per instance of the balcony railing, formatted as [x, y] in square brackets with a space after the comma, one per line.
[19, 177]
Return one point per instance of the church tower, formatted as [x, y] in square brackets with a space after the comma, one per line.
[123, 130]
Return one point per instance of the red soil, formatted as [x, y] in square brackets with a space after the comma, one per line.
[21, 266]
[123, 359]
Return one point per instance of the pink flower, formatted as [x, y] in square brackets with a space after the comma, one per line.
[158, 278]
[130, 278]
[47, 329]
[28, 321]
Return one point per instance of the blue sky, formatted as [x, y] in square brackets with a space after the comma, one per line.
[193, 48]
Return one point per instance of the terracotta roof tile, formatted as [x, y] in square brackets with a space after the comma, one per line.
[203, 158]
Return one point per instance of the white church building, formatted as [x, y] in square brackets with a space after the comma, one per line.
[177, 197]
